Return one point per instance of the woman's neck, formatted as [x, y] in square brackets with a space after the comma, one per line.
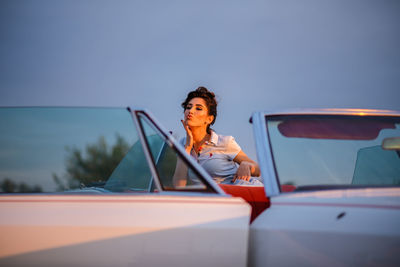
[199, 135]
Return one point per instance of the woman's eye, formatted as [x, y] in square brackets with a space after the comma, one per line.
[199, 109]
[188, 107]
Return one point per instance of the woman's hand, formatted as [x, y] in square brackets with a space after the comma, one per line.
[247, 167]
[189, 137]
[244, 171]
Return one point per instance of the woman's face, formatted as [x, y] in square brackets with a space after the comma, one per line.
[196, 113]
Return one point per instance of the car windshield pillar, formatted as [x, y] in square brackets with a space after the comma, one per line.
[264, 155]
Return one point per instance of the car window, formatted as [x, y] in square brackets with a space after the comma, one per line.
[132, 174]
[334, 150]
[70, 150]
[166, 160]
[375, 165]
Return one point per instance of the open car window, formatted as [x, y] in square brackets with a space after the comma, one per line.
[329, 150]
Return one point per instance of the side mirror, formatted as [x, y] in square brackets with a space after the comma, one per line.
[391, 143]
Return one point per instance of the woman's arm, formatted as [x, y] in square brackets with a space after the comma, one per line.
[189, 137]
[247, 167]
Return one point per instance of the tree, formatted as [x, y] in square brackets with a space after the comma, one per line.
[94, 165]
[9, 186]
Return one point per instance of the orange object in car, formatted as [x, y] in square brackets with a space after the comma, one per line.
[254, 195]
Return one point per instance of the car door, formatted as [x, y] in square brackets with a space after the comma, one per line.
[133, 217]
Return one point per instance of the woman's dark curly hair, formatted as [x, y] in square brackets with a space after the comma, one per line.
[209, 98]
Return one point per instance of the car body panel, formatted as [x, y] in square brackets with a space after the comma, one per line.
[356, 227]
[143, 230]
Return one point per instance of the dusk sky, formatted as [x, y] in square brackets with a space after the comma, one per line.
[255, 55]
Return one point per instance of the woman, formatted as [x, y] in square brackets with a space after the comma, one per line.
[219, 155]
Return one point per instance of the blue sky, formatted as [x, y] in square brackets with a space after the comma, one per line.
[255, 55]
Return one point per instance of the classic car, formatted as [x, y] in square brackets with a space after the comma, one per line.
[94, 187]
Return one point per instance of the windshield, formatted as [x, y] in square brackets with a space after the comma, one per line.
[63, 149]
[335, 150]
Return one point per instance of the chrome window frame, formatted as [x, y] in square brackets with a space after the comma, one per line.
[264, 155]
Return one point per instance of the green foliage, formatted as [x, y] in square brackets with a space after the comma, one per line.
[93, 165]
[9, 186]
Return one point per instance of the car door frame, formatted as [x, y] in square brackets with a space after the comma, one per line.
[171, 142]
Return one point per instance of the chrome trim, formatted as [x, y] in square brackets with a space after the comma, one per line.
[146, 150]
[264, 155]
[174, 144]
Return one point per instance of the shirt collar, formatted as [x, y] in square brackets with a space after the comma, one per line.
[213, 138]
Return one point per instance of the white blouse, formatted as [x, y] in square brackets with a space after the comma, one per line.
[216, 157]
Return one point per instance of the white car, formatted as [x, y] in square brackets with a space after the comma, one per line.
[93, 187]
